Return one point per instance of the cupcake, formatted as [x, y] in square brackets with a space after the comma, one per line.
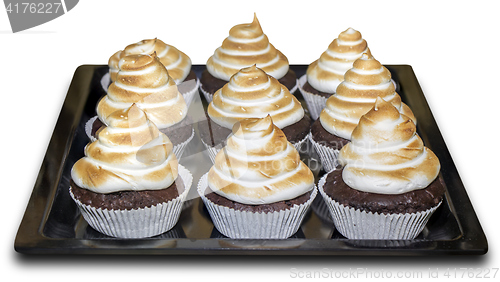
[388, 186]
[143, 80]
[258, 187]
[177, 63]
[245, 46]
[129, 184]
[355, 96]
[253, 93]
[324, 75]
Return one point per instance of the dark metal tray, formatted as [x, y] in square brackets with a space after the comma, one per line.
[52, 223]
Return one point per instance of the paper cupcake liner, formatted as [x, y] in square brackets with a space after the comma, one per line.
[214, 150]
[356, 224]
[189, 89]
[315, 103]
[106, 81]
[88, 128]
[253, 225]
[320, 208]
[327, 155]
[181, 147]
[137, 223]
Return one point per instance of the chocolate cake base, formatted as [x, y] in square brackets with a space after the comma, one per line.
[409, 202]
[307, 87]
[127, 200]
[264, 208]
[325, 138]
[179, 132]
[211, 84]
[191, 75]
[213, 134]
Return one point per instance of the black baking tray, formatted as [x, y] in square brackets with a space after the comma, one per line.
[52, 223]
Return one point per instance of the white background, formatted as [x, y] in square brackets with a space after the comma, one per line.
[452, 47]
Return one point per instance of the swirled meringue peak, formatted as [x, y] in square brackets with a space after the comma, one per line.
[326, 73]
[355, 96]
[385, 155]
[130, 154]
[259, 166]
[251, 93]
[177, 63]
[143, 80]
[247, 45]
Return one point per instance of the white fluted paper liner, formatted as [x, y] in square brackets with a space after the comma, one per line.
[315, 103]
[137, 223]
[356, 224]
[327, 155]
[179, 149]
[188, 89]
[106, 81]
[213, 150]
[88, 128]
[253, 225]
[208, 96]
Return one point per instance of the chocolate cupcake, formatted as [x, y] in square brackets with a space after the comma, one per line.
[388, 186]
[144, 81]
[324, 75]
[176, 62]
[129, 183]
[245, 46]
[258, 187]
[253, 93]
[355, 96]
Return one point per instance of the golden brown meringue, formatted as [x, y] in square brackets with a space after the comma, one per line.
[326, 73]
[129, 155]
[247, 45]
[355, 96]
[176, 62]
[144, 80]
[386, 155]
[259, 165]
[253, 93]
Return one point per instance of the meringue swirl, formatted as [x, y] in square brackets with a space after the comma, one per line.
[355, 96]
[259, 166]
[177, 63]
[326, 73]
[143, 80]
[253, 93]
[246, 45]
[130, 154]
[386, 155]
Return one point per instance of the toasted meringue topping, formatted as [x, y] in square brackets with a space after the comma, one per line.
[247, 45]
[143, 80]
[326, 73]
[130, 154]
[253, 93]
[259, 165]
[386, 155]
[355, 96]
[177, 63]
